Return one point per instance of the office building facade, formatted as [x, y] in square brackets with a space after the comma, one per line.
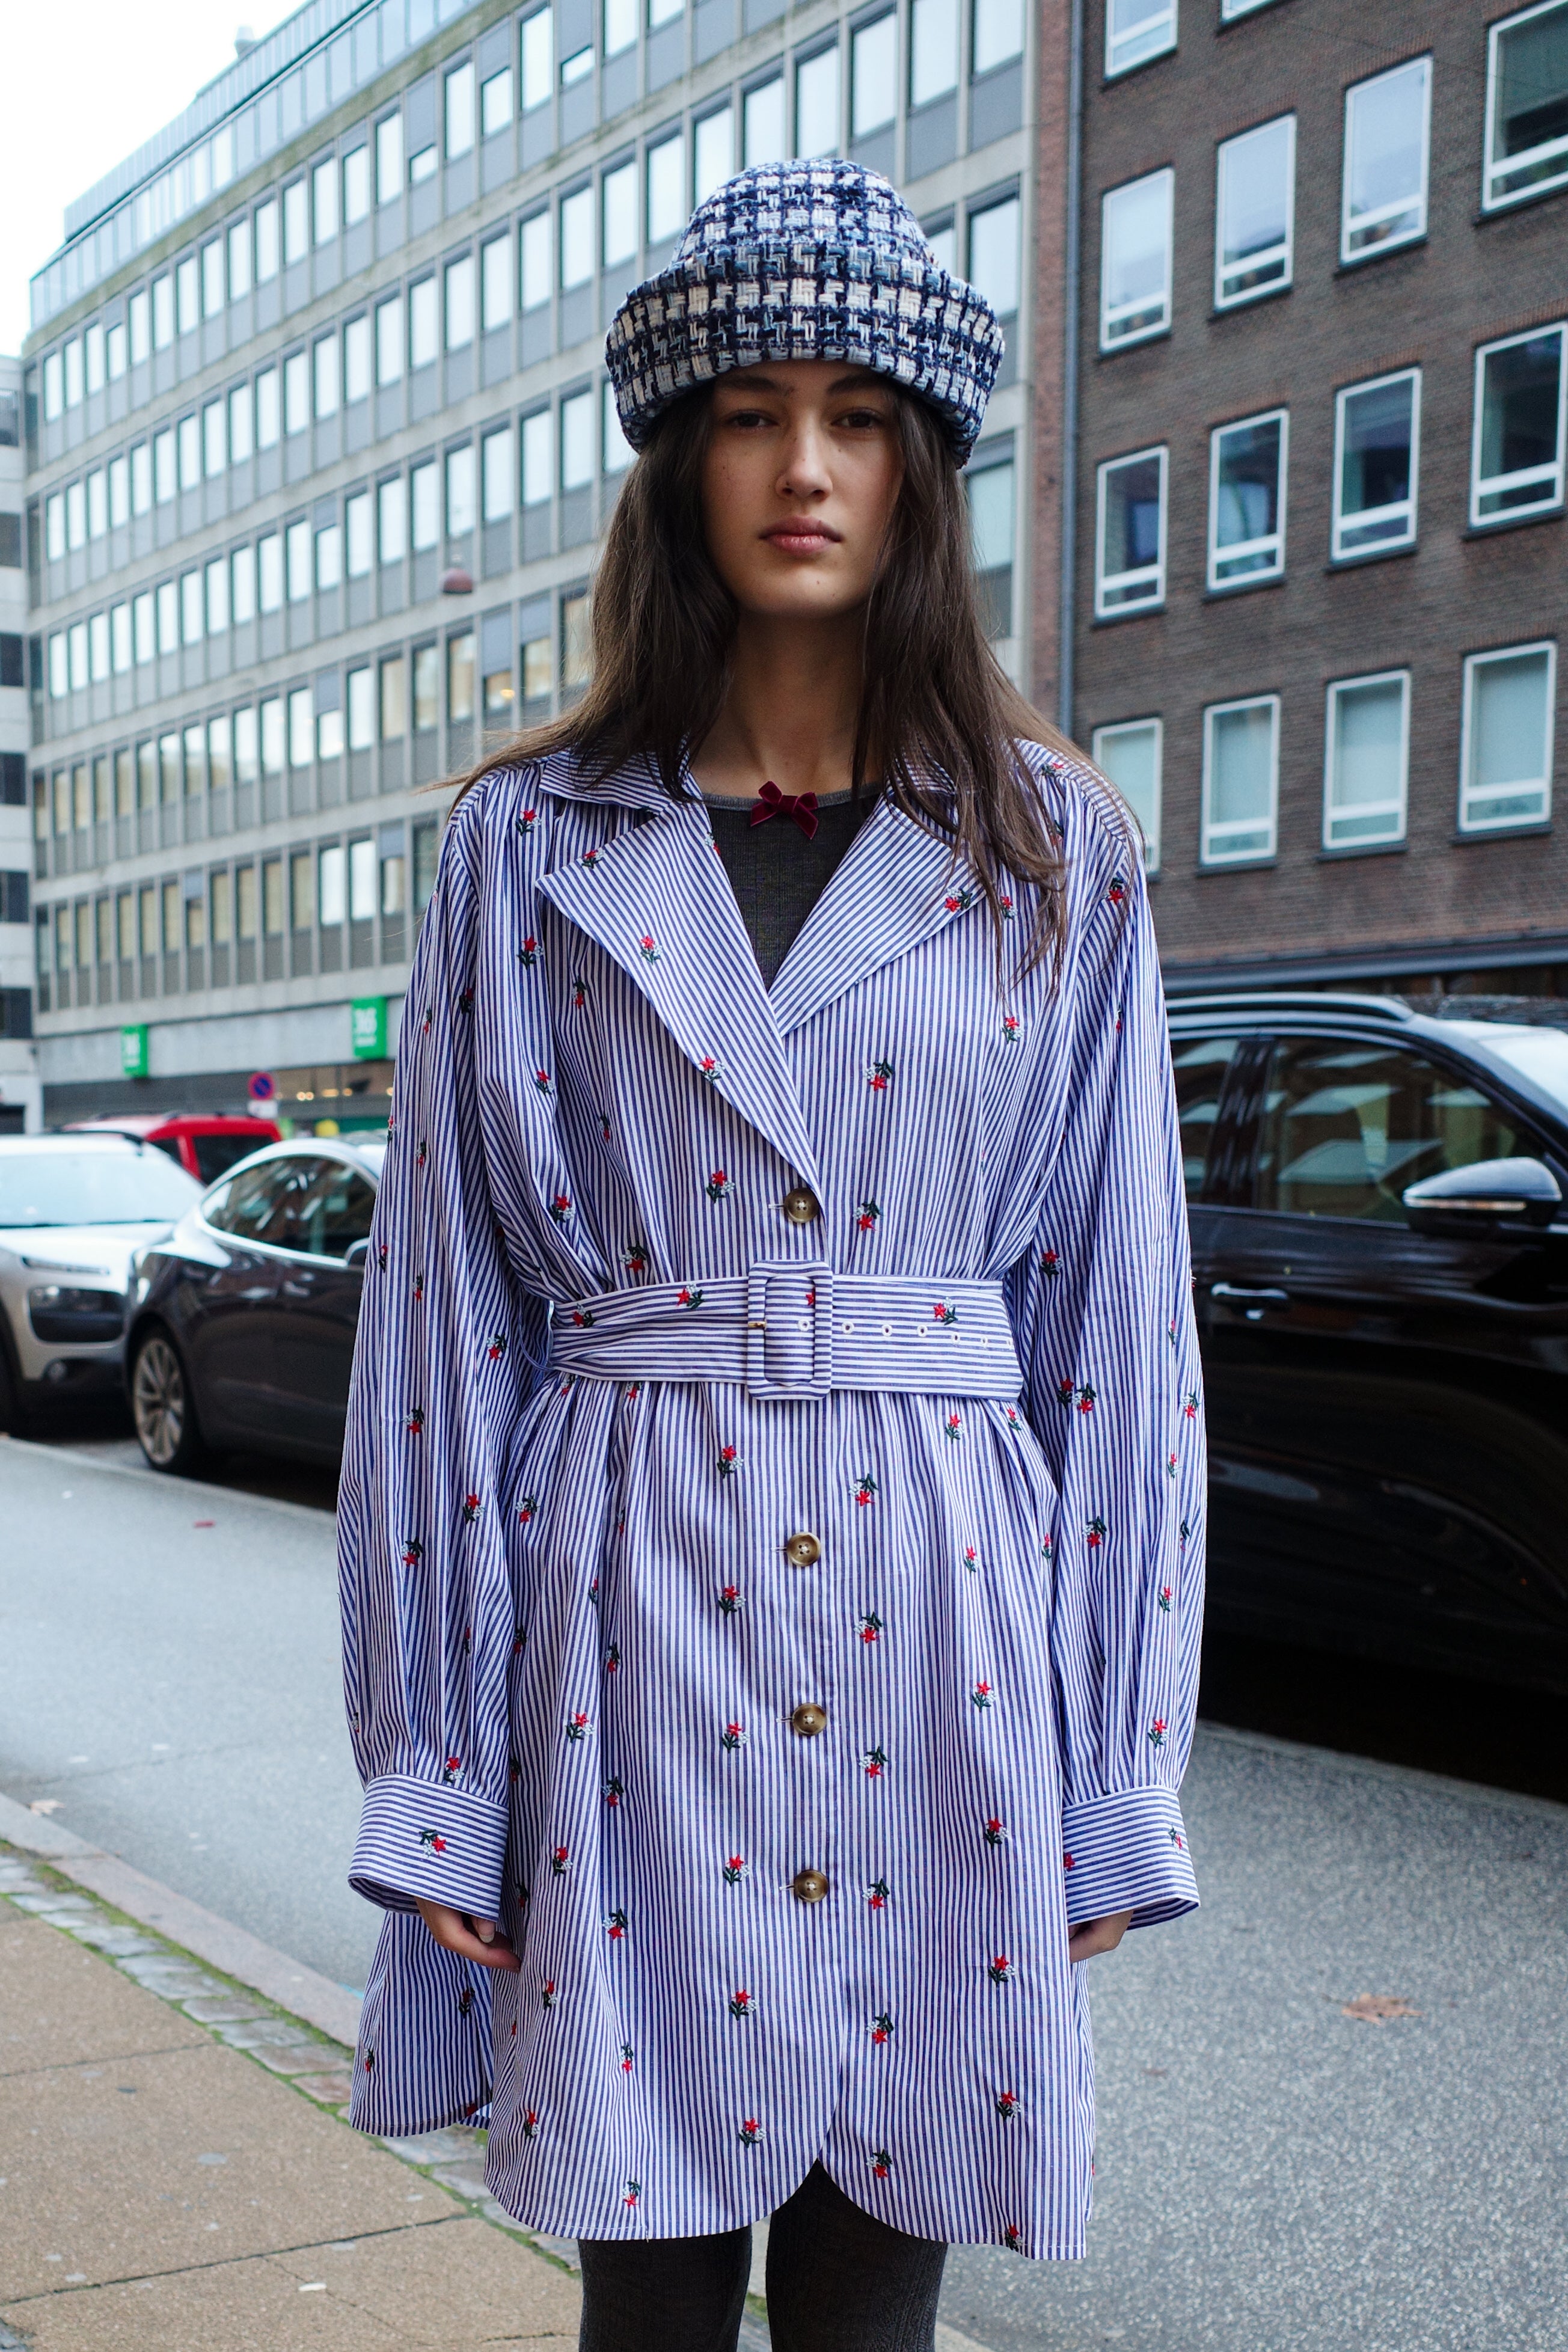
[19, 1088]
[1319, 508]
[319, 445]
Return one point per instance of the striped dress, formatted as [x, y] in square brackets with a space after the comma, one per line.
[771, 1527]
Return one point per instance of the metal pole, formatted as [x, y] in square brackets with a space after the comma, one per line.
[1074, 238]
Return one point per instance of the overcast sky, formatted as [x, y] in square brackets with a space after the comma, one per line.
[86, 82]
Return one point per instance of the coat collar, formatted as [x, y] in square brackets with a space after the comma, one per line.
[655, 896]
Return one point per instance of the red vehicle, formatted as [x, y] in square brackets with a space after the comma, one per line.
[206, 1144]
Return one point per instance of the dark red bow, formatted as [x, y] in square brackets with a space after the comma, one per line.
[801, 806]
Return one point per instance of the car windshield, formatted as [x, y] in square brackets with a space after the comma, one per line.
[92, 1188]
[1539, 1054]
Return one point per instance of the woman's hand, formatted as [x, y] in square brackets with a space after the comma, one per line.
[479, 1941]
[1094, 1936]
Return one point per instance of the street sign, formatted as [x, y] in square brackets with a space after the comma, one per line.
[133, 1056]
[367, 1028]
[261, 1086]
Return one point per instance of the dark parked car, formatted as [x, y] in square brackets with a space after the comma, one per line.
[241, 1327]
[1379, 1208]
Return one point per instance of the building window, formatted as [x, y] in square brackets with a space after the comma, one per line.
[328, 383]
[873, 75]
[1129, 534]
[356, 359]
[577, 467]
[618, 451]
[666, 189]
[495, 103]
[388, 158]
[1247, 500]
[1129, 753]
[460, 302]
[764, 138]
[1366, 757]
[998, 34]
[577, 239]
[713, 144]
[497, 481]
[1517, 462]
[356, 186]
[296, 391]
[933, 49]
[1505, 757]
[424, 331]
[425, 507]
[459, 109]
[577, 641]
[325, 201]
[816, 103]
[301, 728]
[620, 25]
[426, 688]
[266, 241]
[361, 687]
[618, 215]
[392, 687]
[991, 487]
[1136, 30]
[495, 283]
[1135, 260]
[1241, 779]
[1385, 195]
[1377, 432]
[389, 339]
[392, 520]
[329, 556]
[297, 542]
[1527, 105]
[537, 60]
[533, 260]
[1254, 212]
[460, 490]
[993, 257]
[538, 670]
[538, 459]
[460, 677]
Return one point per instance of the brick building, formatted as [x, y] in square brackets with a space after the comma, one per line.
[1319, 575]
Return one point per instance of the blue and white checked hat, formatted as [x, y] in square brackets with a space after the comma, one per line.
[805, 261]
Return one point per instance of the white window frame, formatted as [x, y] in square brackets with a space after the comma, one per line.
[1101, 737]
[1105, 582]
[1208, 853]
[1350, 255]
[1550, 477]
[1283, 253]
[1231, 9]
[1110, 339]
[1216, 555]
[1469, 791]
[1396, 808]
[1155, 36]
[1364, 515]
[1552, 153]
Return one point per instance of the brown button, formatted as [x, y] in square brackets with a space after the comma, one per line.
[803, 1549]
[801, 1204]
[808, 1885]
[809, 1720]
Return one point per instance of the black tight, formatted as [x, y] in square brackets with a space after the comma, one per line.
[839, 2281]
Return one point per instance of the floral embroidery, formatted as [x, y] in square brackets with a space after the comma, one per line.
[466, 1001]
[1001, 1971]
[734, 1736]
[865, 1487]
[718, 1187]
[1005, 907]
[577, 1725]
[527, 1507]
[559, 1860]
[413, 1551]
[954, 1426]
[970, 1556]
[422, 1154]
[980, 1696]
[628, 2057]
[416, 1422]
[589, 858]
[1095, 1534]
[1013, 2238]
[432, 1841]
[1051, 1264]
[633, 1258]
[450, 1769]
[958, 902]
[684, 1297]
[525, 821]
[495, 1346]
[561, 1207]
[751, 2132]
[634, 2190]
[613, 1658]
[730, 1602]
[381, 1256]
[735, 1869]
[873, 1762]
[709, 1066]
[881, 2028]
[528, 953]
[725, 1460]
[742, 2004]
[1157, 1732]
[870, 1627]
[866, 1216]
[646, 949]
[877, 1073]
[547, 1993]
[1165, 1597]
[1065, 1391]
[615, 1790]
[1013, 1418]
[1118, 891]
[881, 2164]
[1170, 1465]
[541, 1080]
[1067, 1862]
[419, 1287]
[1011, 1028]
[1176, 1838]
[943, 1313]
[615, 1926]
[1190, 1406]
[1087, 1400]
[877, 1895]
[996, 1831]
[472, 1505]
[531, 2120]
[1006, 2105]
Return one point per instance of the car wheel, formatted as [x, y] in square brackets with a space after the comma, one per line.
[164, 1408]
[12, 1418]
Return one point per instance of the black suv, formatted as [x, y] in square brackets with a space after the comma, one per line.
[1379, 1207]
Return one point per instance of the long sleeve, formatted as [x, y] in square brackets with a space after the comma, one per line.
[1104, 1317]
[448, 1353]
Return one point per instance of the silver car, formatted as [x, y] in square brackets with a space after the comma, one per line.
[73, 1210]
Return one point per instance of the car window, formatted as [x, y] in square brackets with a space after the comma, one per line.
[1200, 1065]
[261, 1204]
[335, 1212]
[94, 1187]
[1347, 1125]
[217, 1153]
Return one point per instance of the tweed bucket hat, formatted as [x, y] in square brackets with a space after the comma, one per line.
[805, 261]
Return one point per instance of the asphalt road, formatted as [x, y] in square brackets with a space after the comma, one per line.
[1273, 2175]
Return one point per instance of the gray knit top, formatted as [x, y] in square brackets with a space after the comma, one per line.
[776, 873]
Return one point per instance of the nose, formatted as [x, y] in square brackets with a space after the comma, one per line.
[804, 472]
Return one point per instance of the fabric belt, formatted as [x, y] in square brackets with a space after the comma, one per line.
[792, 1327]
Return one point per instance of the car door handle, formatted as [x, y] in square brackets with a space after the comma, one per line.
[1251, 1302]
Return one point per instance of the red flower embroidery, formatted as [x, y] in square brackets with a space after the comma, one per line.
[958, 901]
[684, 1297]
[943, 1313]
[741, 2003]
[559, 1860]
[1013, 2238]
[634, 1257]
[547, 1992]
[871, 1627]
[734, 1736]
[526, 819]
[1067, 1862]
[877, 1895]
[615, 1926]
[646, 949]
[869, 1212]
[451, 1768]
[432, 1841]
[730, 1600]
[561, 1207]
[954, 1426]
[980, 1696]
[1011, 1028]
[1051, 1264]
[495, 1347]
[527, 1507]
[996, 1831]
[881, 2164]
[416, 1422]
[615, 1790]
[626, 2057]
[1001, 1971]
[1095, 1535]
[471, 1506]
[718, 1187]
[709, 1066]
[413, 1551]
[735, 1869]
[634, 2190]
[726, 1461]
[865, 1487]
[1008, 2105]
[1191, 1406]
[1165, 1597]
[613, 1658]
[877, 1073]
[1157, 1732]
[577, 1725]
[1118, 891]
[970, 1556]
[1087, 1400]
[541, 1080]
[873, 1762]
[751, 2132]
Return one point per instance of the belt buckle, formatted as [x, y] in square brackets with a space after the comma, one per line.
[800, 1322]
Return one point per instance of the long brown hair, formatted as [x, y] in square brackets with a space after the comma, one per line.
[939, 717]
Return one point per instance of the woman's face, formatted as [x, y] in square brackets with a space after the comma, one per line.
[799, 481]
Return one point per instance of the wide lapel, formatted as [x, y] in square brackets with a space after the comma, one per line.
[894, 886]
[656, 898]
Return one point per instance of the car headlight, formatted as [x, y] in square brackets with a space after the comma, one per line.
[59, 1313]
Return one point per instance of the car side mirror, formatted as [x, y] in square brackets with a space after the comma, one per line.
[356, 1253]
[1495, 1196]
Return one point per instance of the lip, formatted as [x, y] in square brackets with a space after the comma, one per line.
[800, 537]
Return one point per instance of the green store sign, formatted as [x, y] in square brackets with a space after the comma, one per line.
[134, 1060]
[367, 1028]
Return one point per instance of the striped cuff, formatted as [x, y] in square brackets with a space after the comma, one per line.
[420, 1840]
[1127, 1853]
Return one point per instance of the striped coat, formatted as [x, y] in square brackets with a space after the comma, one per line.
[790, 1841]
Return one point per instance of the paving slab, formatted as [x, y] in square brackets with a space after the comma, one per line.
[41, 2025]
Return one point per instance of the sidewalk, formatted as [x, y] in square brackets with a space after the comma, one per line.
[174, 2172]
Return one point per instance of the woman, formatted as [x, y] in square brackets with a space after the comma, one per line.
[771, 1519]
